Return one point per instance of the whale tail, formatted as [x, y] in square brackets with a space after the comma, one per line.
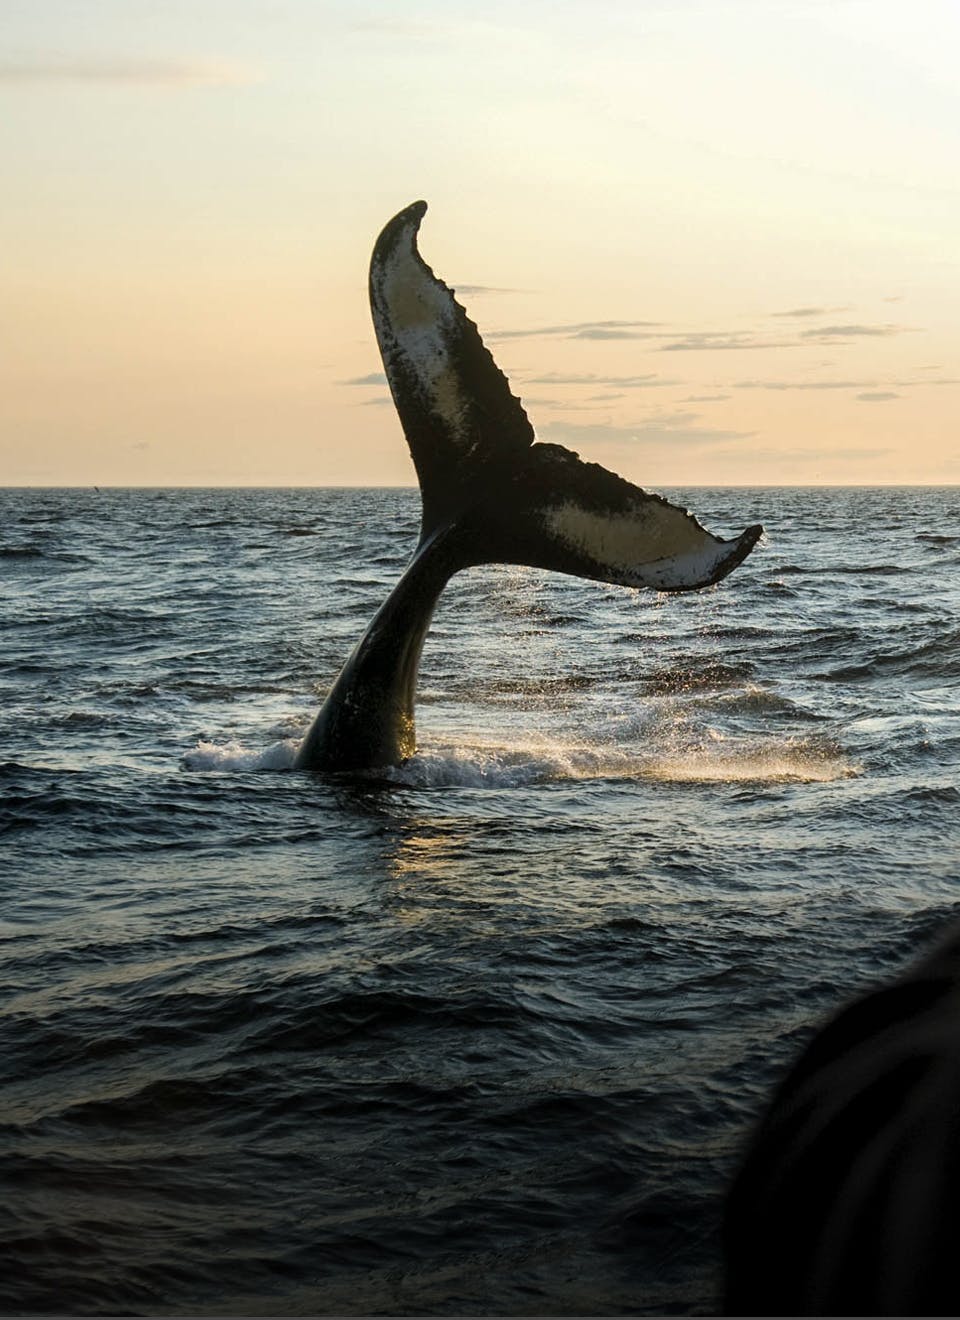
[491, 494]
[483, 477]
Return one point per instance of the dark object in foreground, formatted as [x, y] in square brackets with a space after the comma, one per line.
[848, 1201]
[490, 495]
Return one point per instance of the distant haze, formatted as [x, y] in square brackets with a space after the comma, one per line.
[710, 241]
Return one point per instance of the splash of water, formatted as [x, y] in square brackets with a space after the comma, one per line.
[233, 756]
[477, 764]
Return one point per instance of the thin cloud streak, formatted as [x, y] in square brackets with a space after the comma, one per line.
[683, 341]
[852, 331]
[716, 341]
[803, 384]
[650, 381]
[838, 384]
[797, 312]
[479, 290]
[582, 330]
[711, 341]
[127, 71]
[601, 332]
[669, 433]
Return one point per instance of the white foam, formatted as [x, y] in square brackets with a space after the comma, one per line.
[487, 765]
[234, 756]
[713, 759]
[670, 753]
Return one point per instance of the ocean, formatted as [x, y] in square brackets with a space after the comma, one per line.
[482, 1034]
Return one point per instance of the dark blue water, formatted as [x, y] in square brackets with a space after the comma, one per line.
[481, 1035]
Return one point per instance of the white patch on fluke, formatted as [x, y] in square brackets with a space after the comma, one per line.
[421, 322]
[658, 546]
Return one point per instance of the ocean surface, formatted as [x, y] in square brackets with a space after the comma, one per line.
[483, 1034]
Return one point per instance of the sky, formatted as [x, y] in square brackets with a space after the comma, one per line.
[709, 241]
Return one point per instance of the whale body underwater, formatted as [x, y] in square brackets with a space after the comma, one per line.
[490, 494]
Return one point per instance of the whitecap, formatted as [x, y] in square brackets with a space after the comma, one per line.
[234, 756]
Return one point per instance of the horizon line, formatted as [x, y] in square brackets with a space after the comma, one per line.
[352, 485]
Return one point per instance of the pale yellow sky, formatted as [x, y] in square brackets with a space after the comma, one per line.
[710, 242]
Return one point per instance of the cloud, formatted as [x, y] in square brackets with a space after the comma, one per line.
[719, 340]
[583, 330]
[650, 381]
[831, 332]
[562, 405]
[379, 402]
[478, 290]
[607, 332]
[877, 396]
[810, 311]
[128, 71]
[803, 384]
[667, 431]
[671, 420]
[371, 378]
[838, 384]
[692, 341]
[705, 398]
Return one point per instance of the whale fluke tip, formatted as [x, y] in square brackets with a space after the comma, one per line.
[415, 212]
[742, 546]
[399, 234]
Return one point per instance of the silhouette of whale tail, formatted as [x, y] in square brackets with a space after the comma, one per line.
[491, 494]
[478, 464]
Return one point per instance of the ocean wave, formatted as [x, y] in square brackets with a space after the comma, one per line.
[83, 719]
[22, 552]
[694, 676]
[820, 570]
[936, 657]
[757, 700]
[515, 690]
[937, 793]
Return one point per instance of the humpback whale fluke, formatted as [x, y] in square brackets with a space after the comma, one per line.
[491, 494]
